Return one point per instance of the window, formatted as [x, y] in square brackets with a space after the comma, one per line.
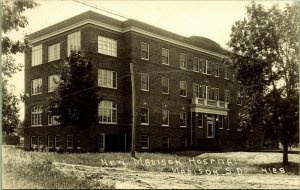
[165, 117]
[107, 46]
[107, 78]
[165, 142]
[144, 51]
[227, 122]
[200, 120]
[216, 93]
[69, 141]
[206, 67]
[239, 99]
[50, 141]
[36, 116]
[32, 141]
[144, 82]
[184, 142]
[183, 61]
[53, 81]
[196, 66]
[195, 90]
[102, 142]
[145, 142]
[74, 42]
[36, 86]
[226, 72]
[227, 96]
[216, 69]
[57, 141]
[221, 122]
[78, 142]
[39, 140]
[36, 55]
[183, 89]
[210, 93]
[144, 116]
[165, 85]
[107, 112]
[165, 56]
[182, 119]
[54, 52]
[52, 119]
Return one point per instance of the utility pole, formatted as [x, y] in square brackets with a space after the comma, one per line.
[133, 112]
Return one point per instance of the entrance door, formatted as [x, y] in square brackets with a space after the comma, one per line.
[210, 126]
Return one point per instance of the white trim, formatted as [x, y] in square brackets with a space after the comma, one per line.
[117, 29]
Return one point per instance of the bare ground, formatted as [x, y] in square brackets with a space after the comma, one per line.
[124, 178]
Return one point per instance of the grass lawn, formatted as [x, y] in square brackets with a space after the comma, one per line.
[22, 169]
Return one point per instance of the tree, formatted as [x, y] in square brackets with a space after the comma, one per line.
[76, 100]
[265, 56]
[12, 19]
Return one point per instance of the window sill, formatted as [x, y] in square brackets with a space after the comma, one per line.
[182, 126]
[144, 90]
[108, 87]
[165, 93]
[144, 148]
[200, 127]
[145, 59]
[54, 60]
[183, 96]
[36, 94]
[165, 64]
[165, 125]
[145, 124]
[107, 123]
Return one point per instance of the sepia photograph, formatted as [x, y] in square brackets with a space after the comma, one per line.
[150, 94]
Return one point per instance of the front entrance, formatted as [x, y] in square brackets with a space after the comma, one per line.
[210, 126]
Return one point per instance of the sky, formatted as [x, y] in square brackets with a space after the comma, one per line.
[211, 19]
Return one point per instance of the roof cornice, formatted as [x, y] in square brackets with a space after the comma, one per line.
[120, 30]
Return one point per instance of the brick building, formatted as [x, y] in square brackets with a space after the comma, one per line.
[186, 98]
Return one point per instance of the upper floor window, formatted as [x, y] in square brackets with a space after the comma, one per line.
[227, 96]
[183, 89]
[54, 52]
[165, 56]
[36, 116]
[36, 55]
[226, 69]
[107, 78]
[206, 67]
[144, 51]
[165, 85]
[53, 81]
[183, 61]
[216, 69]
[74, 42]
[196, 66]
[182, 119]
[144, 82]
[107, 46]
[195, 90]
[36, 86]
[107, 112]
[165, 117]
[144, 116]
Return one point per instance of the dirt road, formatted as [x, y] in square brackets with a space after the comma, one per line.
[124, 178]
